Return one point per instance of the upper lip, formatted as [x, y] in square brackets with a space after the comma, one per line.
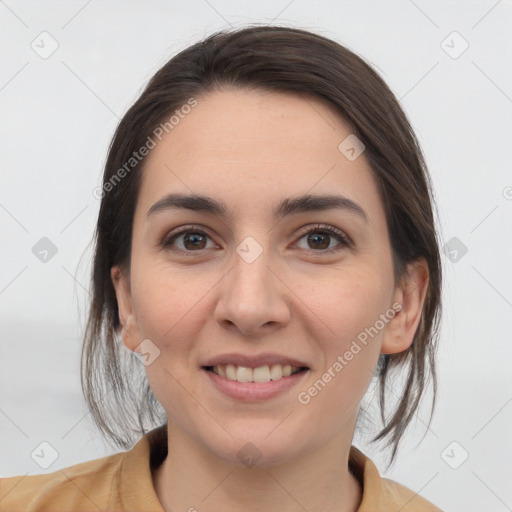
[253, 361]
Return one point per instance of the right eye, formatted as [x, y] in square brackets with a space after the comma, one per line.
[191, 240]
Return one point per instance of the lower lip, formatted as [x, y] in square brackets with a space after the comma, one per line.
[254, 391]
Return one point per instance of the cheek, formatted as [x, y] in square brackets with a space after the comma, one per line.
[349, 302]
[349, 308]
[170, 304]
[170, 313]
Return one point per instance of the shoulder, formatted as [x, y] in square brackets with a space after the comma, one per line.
[84, 486]
[403, 498]
[122, 481]
[383, 494]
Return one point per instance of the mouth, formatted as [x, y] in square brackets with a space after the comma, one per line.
[254, 384]
[260, 374]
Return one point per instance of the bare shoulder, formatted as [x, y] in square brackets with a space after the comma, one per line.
[397, 497]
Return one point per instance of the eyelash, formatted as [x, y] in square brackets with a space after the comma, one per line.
[324, 229]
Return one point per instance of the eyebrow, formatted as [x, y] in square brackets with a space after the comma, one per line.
[286, 207]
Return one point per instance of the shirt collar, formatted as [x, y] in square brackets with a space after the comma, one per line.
[137, 492]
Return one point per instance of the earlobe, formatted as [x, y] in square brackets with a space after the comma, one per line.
[127, 318]
[411, 294]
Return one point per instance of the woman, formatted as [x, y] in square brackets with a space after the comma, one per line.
[266, 245]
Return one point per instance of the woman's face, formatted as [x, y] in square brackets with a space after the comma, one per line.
[259, 281]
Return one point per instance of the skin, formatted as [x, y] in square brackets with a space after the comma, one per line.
[251, 149]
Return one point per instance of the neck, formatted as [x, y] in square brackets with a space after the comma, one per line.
[192, 479]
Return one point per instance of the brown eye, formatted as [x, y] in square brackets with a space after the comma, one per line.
[194, 241]
[187, 240]
[320, 237]
[319, 240]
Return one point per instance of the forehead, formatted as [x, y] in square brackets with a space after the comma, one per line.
[252, 146]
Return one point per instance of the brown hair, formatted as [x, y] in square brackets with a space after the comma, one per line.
[280, 59]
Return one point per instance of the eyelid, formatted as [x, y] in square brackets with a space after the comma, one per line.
[190, 228]
[311, 228]
[325, 227]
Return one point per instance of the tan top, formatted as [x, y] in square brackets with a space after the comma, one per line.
[123, 482]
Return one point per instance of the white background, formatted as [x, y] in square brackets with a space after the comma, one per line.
[59, 114]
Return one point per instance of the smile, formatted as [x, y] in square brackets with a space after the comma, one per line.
[277, 380]
[264, 373]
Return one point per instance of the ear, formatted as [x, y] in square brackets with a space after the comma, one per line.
[411, 292]
[127, 318]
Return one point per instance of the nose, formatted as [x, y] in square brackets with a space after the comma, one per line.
[254, 298]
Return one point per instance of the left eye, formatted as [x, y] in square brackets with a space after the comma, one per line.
[195, 240]
[321, 236]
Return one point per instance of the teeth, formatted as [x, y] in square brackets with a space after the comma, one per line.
[230, 371]
[243, 374]
[260, 374]
[276, 371]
